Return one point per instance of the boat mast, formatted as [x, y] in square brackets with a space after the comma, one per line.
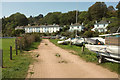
[118, 30]
[76, 16]
[76, 21]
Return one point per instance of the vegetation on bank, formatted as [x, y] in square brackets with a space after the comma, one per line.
[26, 41]
[97, 12]
[19, 65]
[88, 56]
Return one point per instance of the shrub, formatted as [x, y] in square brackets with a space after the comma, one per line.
[26, 40]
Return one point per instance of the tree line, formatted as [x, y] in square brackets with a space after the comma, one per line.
[97, 12]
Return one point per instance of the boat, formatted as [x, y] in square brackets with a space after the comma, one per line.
[109, 51]
[78, 41]
[65, 42]
[95, 41]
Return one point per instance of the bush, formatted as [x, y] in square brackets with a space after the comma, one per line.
[26, 40]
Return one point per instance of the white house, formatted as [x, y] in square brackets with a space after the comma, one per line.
[100, 26]
[76, 26]
[42, 28]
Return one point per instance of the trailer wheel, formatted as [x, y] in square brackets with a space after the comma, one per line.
[100, 59]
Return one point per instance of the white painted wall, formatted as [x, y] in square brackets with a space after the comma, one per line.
[42, 29]
[72, 28]
[100, 27]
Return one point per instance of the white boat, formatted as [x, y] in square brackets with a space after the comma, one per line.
[104, 48]
[105, 52]
[64, 41]
[98, 38]
[78, 41]
[110, 51]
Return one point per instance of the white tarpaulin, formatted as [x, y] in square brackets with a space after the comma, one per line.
[104, 48]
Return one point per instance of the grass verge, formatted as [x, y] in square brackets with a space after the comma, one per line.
[33, 46]
[18, 67]
[89, 56]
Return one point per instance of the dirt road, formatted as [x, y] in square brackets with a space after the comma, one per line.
[65, 65]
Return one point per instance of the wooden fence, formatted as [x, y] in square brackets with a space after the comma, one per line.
[10, 52]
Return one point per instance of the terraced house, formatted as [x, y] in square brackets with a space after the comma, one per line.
[42, 28]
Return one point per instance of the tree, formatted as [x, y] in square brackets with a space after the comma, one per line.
[19, 19]
[9, 23]
[111, 12]
[118, 13]
[64, 19]
[118, 7]
[83, 16]
[97, 11]
[52, 18]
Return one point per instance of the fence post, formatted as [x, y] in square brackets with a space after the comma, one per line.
[1, 58]
[20, 46]
[10, 52]
[16, 46]
[83, 47]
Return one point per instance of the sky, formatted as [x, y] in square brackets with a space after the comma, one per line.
[36, 8]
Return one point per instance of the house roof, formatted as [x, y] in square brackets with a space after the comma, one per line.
[43, 26]
[102, 22]
[76, 24]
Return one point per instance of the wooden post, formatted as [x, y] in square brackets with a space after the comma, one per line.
[16, 46]
[70, 43]
[10, 52]
[83, 47]
[1, 58]
[20, 46]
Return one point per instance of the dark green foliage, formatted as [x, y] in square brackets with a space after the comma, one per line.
[118, 7]
[90, 34]
[52, 18]
[83, 17]
[97, 11]
[9, 24]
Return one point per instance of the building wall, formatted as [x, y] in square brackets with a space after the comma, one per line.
[72, 28]
[100, 27]
[42, 29]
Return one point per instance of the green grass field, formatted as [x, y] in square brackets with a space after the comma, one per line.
[89, 56]
[18, 67]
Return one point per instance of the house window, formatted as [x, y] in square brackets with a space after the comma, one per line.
[78, 27]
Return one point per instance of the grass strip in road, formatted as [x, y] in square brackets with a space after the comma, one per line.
[18, 67]
[88, 56]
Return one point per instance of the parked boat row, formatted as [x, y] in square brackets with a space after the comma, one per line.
[104, 48]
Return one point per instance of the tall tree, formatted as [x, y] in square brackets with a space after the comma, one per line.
[19, 19]
[97, 10]
[118, 7]
[52, 18]
[111, 12]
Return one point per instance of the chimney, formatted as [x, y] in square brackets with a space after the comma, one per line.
[82, 24]
[95, 21]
